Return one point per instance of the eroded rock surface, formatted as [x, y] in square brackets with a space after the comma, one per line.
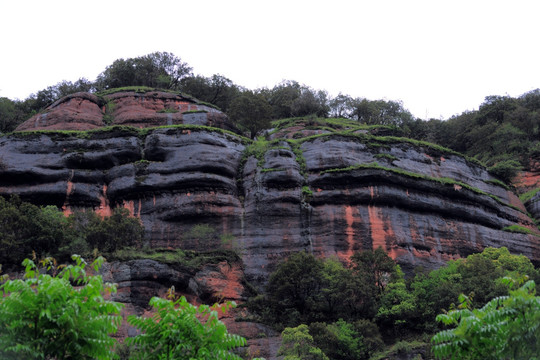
[85, 111]
[331, 194]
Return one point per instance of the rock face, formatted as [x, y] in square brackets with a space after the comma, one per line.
[332, 194]
[329, 191]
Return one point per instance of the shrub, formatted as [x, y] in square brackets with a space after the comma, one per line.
[45, 317]
[179, 330]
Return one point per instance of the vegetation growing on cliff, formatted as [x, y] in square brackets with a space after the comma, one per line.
[26, 228]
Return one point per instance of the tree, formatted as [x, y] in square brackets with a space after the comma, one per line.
[507, 327]
[340, 106]
[376, 266]
[297, 344]
[380, 112]
[159, 69]
[179, 330]
[293, 289]
[251, 111]
[8, 115]
[113, 232]
[397, 305]
[49, 95]
[25, 227]
[45, 317]
[217, 90]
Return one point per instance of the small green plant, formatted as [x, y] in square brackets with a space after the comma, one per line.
[306, 191]
[388, 157]
[167, 111]
[506, 170]
[108, 117]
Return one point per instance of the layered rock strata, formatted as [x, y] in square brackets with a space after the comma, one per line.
[331, 194]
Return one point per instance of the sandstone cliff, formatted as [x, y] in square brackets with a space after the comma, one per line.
[329, 187]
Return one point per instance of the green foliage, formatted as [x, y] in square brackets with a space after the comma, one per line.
[45, 317]
[305, 289]
[388, 157]
[507, 327]
[380, 112]
[217, 90]
[251, 112]
[397, 305]
[10, 115]
[377, 267]
[290, 99]
[520, 229]
[506, 170]
[26, 228]
[340, 340]
[528, 195]
[179, 330]
[108, 117]
[306, 191]
[297, 344]
[477, 274]
[156, 70]
[202, 233]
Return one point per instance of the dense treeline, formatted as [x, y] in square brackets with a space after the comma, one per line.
[502, 133]
[349, 310]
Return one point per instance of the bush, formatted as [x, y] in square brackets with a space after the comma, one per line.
[506, 170]
[45, 317]
[179, 330]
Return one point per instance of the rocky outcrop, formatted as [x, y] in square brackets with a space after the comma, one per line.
[141, 108]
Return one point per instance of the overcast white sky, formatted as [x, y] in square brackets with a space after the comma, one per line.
[439, 57]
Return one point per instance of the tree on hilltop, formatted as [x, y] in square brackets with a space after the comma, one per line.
[159, 69]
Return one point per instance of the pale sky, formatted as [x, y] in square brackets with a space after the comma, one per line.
[439, 57]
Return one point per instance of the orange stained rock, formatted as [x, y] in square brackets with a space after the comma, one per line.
[349, 218]
[104, 206]
[372, 192]
[381, 231]
[527, 180]
[130, 205]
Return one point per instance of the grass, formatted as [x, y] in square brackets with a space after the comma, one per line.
[167, 111]
[128, 130]
[520, 229]
[528, 195]
[497, 183]
[265, 170]
[388, 157]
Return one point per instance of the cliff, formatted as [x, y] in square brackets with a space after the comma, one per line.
[331, 187]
